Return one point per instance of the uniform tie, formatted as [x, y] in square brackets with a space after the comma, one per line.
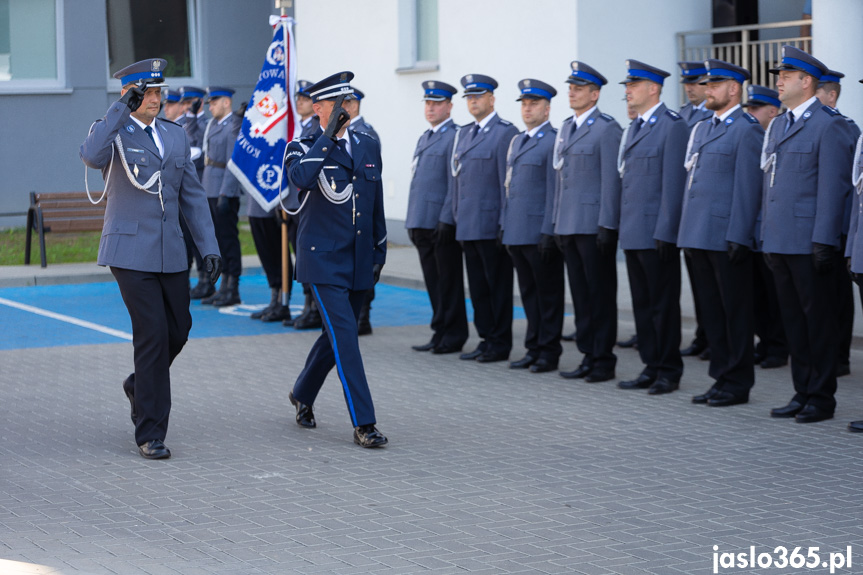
[790, 121]
[715, 123]
[149, 131]
[634, 130]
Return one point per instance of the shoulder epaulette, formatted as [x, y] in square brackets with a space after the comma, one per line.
[606, 117]
[750, 118]
[673, 114]
[171, 122]
[831, 111]
[569, 119]
[505, 122]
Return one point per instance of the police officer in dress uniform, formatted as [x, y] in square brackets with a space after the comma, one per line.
[587, 180]
[772, 348]
[828, 91]
[223, 190]
[310, 317]
[717, 228]
[341, 248]
[806, 159]
[194, 122]
[479, 172]
[152, 179]
[649, 214]
[172, 108]
[528, 234]
[693, 112]
[440, 255]
[854, 249]
[358, 123]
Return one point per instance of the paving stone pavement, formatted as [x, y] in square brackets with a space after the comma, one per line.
[488, 470]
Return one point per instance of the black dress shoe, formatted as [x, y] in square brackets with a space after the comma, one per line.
[813, 414]
[726, 398]
[855, 427]
[663, 386]
[694, 349]
[369, 436]
[758, 357]
[154, 450]
[130, 394]
[787, 412]
[568, 336]
[444, 349]
[599, 375]
[471, 354]
[581, 371]
[705, 397]
[843, 369]
[643, 381]
[493, 356]
[424, 347]
[631, 342]
[772, 362]
[543, 365]
[704, 355]
[523, 363]
[305, 417]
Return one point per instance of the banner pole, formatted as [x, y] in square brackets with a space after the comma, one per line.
[282, 5]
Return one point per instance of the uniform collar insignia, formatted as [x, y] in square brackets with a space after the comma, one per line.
[130, 128]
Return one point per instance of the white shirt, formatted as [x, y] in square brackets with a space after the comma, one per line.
[646, 116]
[435, 129]
[156, 135]
[484, 122]
[727, 113]
[533, 132]
[581, 119]
[801, 109]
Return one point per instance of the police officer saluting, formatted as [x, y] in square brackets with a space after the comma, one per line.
[149, 179]
[717, 228]
[649, 208]
[479, 172]
[429, 223]
[585, 227]
[341, 248]
[806, 160]
[528, 232]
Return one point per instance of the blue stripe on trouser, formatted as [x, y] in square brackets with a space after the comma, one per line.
[336, 353]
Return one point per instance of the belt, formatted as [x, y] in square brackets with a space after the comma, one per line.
[210, 162]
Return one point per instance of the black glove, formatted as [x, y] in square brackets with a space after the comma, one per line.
[606, 241]
[281, 215]
[223, 206]
[824, 257]
[445, 233]
[196, 106]
[213, 265]
[133, 98]
[547, 248]
[376, 270]
[666, 250]
[338, 118]
[737, 253]
[242, 111]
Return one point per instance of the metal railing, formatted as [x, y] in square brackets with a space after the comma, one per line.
[756, 55]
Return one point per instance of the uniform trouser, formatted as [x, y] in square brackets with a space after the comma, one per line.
[489, 277]
[192, 253]
[768, 317]
[593, 287]
[338, 346]
[701, 338]
[808, 303]
[655, 288]
[541, 286]
[728, 319]
[267, 234]
[845, 305]
[228, 235]
[443, 272]
[158, 305]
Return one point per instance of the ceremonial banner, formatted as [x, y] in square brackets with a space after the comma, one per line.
[270, 121]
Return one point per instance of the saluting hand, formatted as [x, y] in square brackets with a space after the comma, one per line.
[133, 98]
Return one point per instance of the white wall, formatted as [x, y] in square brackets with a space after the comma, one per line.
[506, 39]
[837, 42]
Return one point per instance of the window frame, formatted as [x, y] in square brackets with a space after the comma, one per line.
[56, 85]
[409, 39]
[193, 8]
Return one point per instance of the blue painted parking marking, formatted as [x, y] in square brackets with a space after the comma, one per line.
[85, 314]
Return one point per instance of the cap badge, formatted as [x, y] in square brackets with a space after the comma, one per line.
[343, 77]
[469, 77]
[527, 83]
[156, 65]
[431, 84]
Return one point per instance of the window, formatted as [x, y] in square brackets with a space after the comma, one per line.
[29, 36]
[137, 32]
[418, 35]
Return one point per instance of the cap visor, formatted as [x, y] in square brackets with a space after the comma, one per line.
[473, 93]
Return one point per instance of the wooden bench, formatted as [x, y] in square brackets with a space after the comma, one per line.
[61, 212]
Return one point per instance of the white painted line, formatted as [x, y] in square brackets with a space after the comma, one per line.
[67, 319]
